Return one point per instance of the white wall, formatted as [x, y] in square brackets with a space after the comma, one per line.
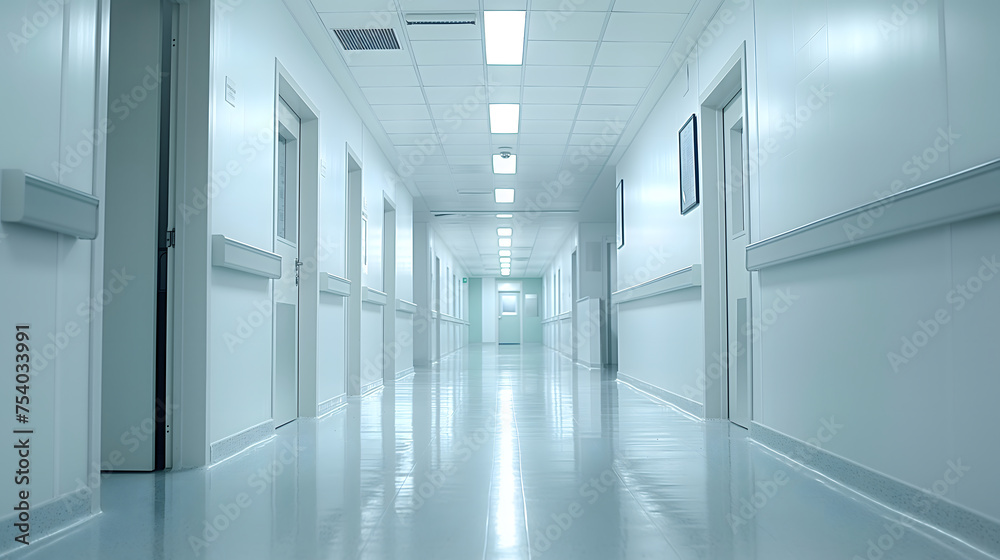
[248, 39]
[489, 310]
[557, 284]
[826, 72]
[54, 78]
[453, 305]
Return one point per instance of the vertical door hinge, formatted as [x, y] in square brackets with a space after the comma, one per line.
[171, 238]
[298, 268]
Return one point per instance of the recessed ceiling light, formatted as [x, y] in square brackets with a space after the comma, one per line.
[504, 165]
[504, 196]
[504, 37]
[505, 272]
[504, 118]
[505, 260]
[505, 242]
[504, 252]
[504, 216]
[505, 231]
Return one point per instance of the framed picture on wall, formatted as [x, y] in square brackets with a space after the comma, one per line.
[620, 212]
[688, 152]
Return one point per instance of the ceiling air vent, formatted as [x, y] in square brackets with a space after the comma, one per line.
[368, 39]
[441, 19]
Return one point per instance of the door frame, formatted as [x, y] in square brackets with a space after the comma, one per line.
[354, 179]
[389, 342]
[287, 89]
[731, 80]
[520, 306]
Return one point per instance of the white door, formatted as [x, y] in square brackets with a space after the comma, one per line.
[286, 289]
[737, 277]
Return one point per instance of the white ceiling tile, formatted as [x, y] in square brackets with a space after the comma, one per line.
[631, 54]
[593, 140]
[400, 112]
[574, 5]
[412, 139]
[455, 75]
[605, 112]
[555, 139]
[547, 112]
[420, 158]
[438, 171]
[506, 4]
[439, 5]
[612, 96]
[507, 140]
[504, 76]
[561, 53]
[670, 6]
[385, 76]
[505, 94]
[454, 95]
[467, 160]
[556, 75]
[452, 112]
[393, 95]
[558, 127]
[353, 5]
[462, 126]
[447, 52]
[565, 25]
[409, 127]
[599, 127]
[644, 27]
[466, 150]
[622, 76]
[552, 95]
[374, 58]
[481, 139]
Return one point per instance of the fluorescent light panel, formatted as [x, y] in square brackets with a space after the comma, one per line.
[504, 252]
[504, 118]
[504, 166]
[505, 242]
[504, 37]
[504, 260]
[504, 196]
[505, 272]
[504, 216]
[505, 231]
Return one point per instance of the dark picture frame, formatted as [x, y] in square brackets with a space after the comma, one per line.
[687, 147]
[620, 213]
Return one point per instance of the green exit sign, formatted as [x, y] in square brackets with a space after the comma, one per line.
[465, 280]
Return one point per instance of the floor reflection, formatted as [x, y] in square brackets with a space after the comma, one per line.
[494, 454]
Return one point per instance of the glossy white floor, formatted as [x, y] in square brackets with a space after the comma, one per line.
[509, 453]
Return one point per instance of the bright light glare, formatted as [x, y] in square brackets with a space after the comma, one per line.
[505, 242]
[504, 166]
[504, 196]
[504, 252]
[505, 272]
[505, 231]
[504, 37]
[504, 118]
[505, 260]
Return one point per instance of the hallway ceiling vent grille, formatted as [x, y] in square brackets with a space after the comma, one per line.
[368, 39]
[440, 19]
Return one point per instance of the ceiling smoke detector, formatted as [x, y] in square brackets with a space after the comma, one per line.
[505, 153]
